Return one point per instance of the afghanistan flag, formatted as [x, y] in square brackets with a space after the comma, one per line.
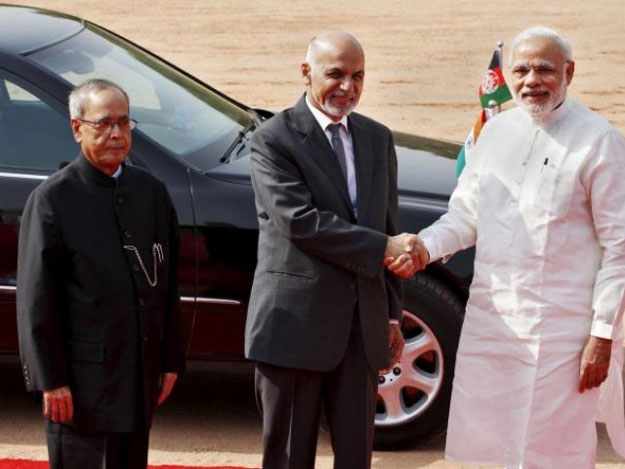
[493, 87]
[493, 92]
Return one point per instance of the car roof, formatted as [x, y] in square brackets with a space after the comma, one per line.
[26, 29]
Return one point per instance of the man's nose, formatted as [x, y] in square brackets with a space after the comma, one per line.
[116, 129]
[347, 84]
[532, 77]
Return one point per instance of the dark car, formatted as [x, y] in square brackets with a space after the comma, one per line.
[197, 140]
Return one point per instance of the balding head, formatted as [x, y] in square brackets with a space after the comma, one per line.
[333, 72]
[329, 41]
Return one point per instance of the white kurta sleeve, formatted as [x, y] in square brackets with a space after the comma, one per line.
[456, 229]
[606, 177]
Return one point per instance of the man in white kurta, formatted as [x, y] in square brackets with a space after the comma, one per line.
[543, 201]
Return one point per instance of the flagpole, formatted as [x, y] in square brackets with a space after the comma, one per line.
[500, 47]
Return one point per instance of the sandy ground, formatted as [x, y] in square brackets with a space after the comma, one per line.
[425, 60]
[211, 419]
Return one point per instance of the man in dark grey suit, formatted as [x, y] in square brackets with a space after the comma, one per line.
[318, 322]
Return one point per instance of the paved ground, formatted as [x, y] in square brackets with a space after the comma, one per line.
[210, 419]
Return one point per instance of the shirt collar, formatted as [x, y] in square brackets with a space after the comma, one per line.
[322, 119]
[94, 174]
[117, 172]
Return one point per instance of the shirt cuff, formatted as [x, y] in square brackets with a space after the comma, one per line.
[393, 321]
[431, 247]
[601, 329]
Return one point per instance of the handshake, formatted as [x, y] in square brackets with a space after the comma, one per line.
[405, 254]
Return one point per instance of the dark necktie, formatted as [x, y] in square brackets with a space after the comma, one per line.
[339, 150]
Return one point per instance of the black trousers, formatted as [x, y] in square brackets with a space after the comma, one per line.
[291, 401]
[73, 448]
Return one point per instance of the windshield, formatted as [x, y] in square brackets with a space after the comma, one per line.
[173, 110]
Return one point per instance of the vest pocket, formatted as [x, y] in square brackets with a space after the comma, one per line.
[554, 191]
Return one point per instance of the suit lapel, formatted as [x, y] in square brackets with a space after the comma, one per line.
[316, 142]
[363, 156]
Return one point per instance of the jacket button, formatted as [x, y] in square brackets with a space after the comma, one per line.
[352, 286]
[135, 267]
[145, 337]
[141, 302]
[120, 199]
[128, 234]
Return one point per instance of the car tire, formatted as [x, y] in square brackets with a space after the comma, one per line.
[413, 397]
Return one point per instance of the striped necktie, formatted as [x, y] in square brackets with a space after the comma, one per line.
[337, 144]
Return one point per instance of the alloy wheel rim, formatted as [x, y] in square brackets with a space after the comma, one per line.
[410, 387]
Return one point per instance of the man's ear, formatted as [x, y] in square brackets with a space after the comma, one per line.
[570, 70]
[305, 68]
[76, 130]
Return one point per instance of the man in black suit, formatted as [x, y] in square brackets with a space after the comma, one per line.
[97, 298]
[324, 314]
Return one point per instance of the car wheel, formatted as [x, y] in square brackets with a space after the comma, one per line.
[413, 396]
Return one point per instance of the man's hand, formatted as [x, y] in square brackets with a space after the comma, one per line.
[405, 254]
[396, 346]
[166, 385]
[595, 363]
[58, 405]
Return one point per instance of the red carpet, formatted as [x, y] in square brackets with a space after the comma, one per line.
[25, 464]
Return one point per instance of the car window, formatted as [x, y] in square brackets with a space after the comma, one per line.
[33, 135]
[175, 111]
[17, 93]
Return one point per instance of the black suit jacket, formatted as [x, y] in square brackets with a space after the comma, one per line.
[316, 262]
[87, 316]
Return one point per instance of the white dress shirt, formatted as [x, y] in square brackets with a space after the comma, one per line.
[324, 121]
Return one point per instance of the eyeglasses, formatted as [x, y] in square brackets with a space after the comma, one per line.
[107, 124]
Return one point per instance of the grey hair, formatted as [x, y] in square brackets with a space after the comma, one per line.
[542, 32]
[79, 95]
[312, 50]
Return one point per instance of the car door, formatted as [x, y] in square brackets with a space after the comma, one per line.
[35, 141]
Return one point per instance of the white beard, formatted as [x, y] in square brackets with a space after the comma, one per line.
[539, 111]
[335, 110]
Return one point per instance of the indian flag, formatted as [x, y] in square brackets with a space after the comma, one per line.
[469, 143]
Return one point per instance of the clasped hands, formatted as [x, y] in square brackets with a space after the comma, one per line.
[405, 254]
